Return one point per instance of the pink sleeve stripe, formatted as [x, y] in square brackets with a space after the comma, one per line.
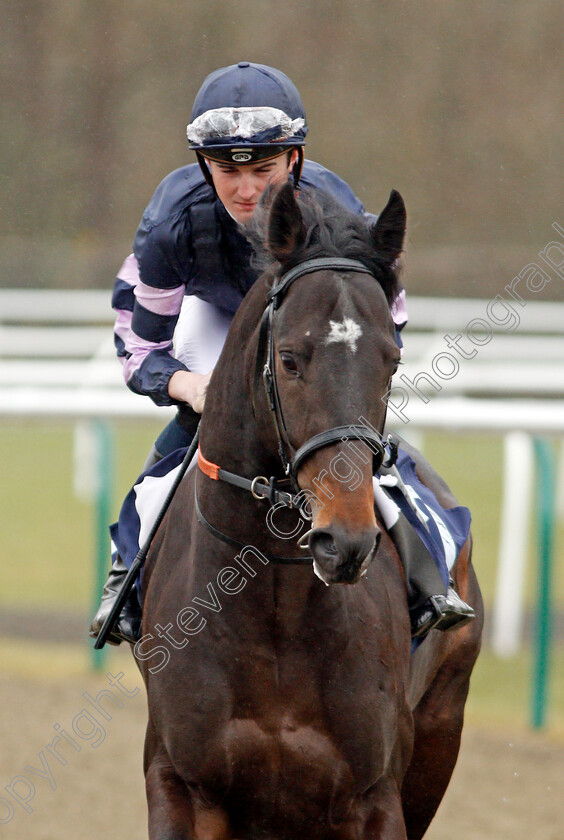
[160, 301]
[122, 325]
[129, 272]
[399, 309]
[139, 350]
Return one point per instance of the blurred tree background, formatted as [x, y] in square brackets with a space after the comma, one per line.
[459, 105]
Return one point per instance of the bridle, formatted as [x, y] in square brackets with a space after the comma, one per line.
[292, 459]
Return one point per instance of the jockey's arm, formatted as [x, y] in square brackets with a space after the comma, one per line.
[183, 386]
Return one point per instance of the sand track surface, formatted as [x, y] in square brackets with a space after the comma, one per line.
[89, 783]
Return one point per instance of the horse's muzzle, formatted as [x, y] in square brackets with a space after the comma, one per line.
[340, 556]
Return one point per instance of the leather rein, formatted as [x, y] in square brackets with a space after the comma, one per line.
[260, 487]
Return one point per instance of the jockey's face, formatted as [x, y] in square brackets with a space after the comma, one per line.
[239, 188]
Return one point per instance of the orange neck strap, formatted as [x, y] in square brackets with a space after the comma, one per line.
[209, 469]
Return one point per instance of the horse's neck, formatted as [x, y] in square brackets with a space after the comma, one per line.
[229, 434]
[230, 439]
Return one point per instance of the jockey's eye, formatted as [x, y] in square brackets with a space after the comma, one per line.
[289, 363]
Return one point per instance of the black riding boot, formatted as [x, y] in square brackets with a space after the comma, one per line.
[128, 626]
[430, 608]
[440, 612]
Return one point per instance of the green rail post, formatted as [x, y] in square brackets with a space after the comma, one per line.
[546, 503]
[104, 460]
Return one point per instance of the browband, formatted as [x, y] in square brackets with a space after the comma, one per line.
[308, 267]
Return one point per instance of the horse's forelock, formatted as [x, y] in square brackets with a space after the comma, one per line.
[331, 230]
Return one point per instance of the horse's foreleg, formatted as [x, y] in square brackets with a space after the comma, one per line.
[439, 715]
[385, 819]
[438, 722]
[173, 812]
[437, 741]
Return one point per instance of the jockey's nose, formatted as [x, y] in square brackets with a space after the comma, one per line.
[247, 185]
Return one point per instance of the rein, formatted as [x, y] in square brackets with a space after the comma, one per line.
[260, 487]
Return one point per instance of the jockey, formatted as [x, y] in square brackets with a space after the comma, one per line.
[191, 269]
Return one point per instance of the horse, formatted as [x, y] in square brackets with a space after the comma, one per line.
[284, 700]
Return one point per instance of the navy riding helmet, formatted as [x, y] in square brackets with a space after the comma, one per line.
[246, 113]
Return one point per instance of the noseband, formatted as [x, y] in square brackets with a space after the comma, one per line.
[293, 459]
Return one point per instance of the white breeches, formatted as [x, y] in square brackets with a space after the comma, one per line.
[200, 334]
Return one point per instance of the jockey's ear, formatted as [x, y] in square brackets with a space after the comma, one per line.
[388, 233]
[286, 231]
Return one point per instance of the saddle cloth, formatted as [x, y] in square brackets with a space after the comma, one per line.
[398, 491]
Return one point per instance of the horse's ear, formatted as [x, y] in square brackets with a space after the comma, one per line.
[286, 231]
[389, 231]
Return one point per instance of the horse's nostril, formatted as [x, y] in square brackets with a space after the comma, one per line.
[377, 539]
[322, 542]
[334, 547]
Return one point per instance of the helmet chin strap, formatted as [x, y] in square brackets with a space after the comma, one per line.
[205, 171]
[298, 166]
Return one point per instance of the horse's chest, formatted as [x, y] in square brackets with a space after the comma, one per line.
[281, 761]
[288, 770]
[284, 754]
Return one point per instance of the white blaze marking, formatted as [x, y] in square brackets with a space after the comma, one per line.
[346, 330]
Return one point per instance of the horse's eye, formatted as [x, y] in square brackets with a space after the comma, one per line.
[289, 363]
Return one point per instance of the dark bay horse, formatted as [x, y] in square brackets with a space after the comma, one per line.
[284, 705]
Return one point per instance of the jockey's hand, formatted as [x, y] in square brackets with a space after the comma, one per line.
[190, 388]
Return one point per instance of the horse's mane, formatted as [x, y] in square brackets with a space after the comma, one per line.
[331, 230]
